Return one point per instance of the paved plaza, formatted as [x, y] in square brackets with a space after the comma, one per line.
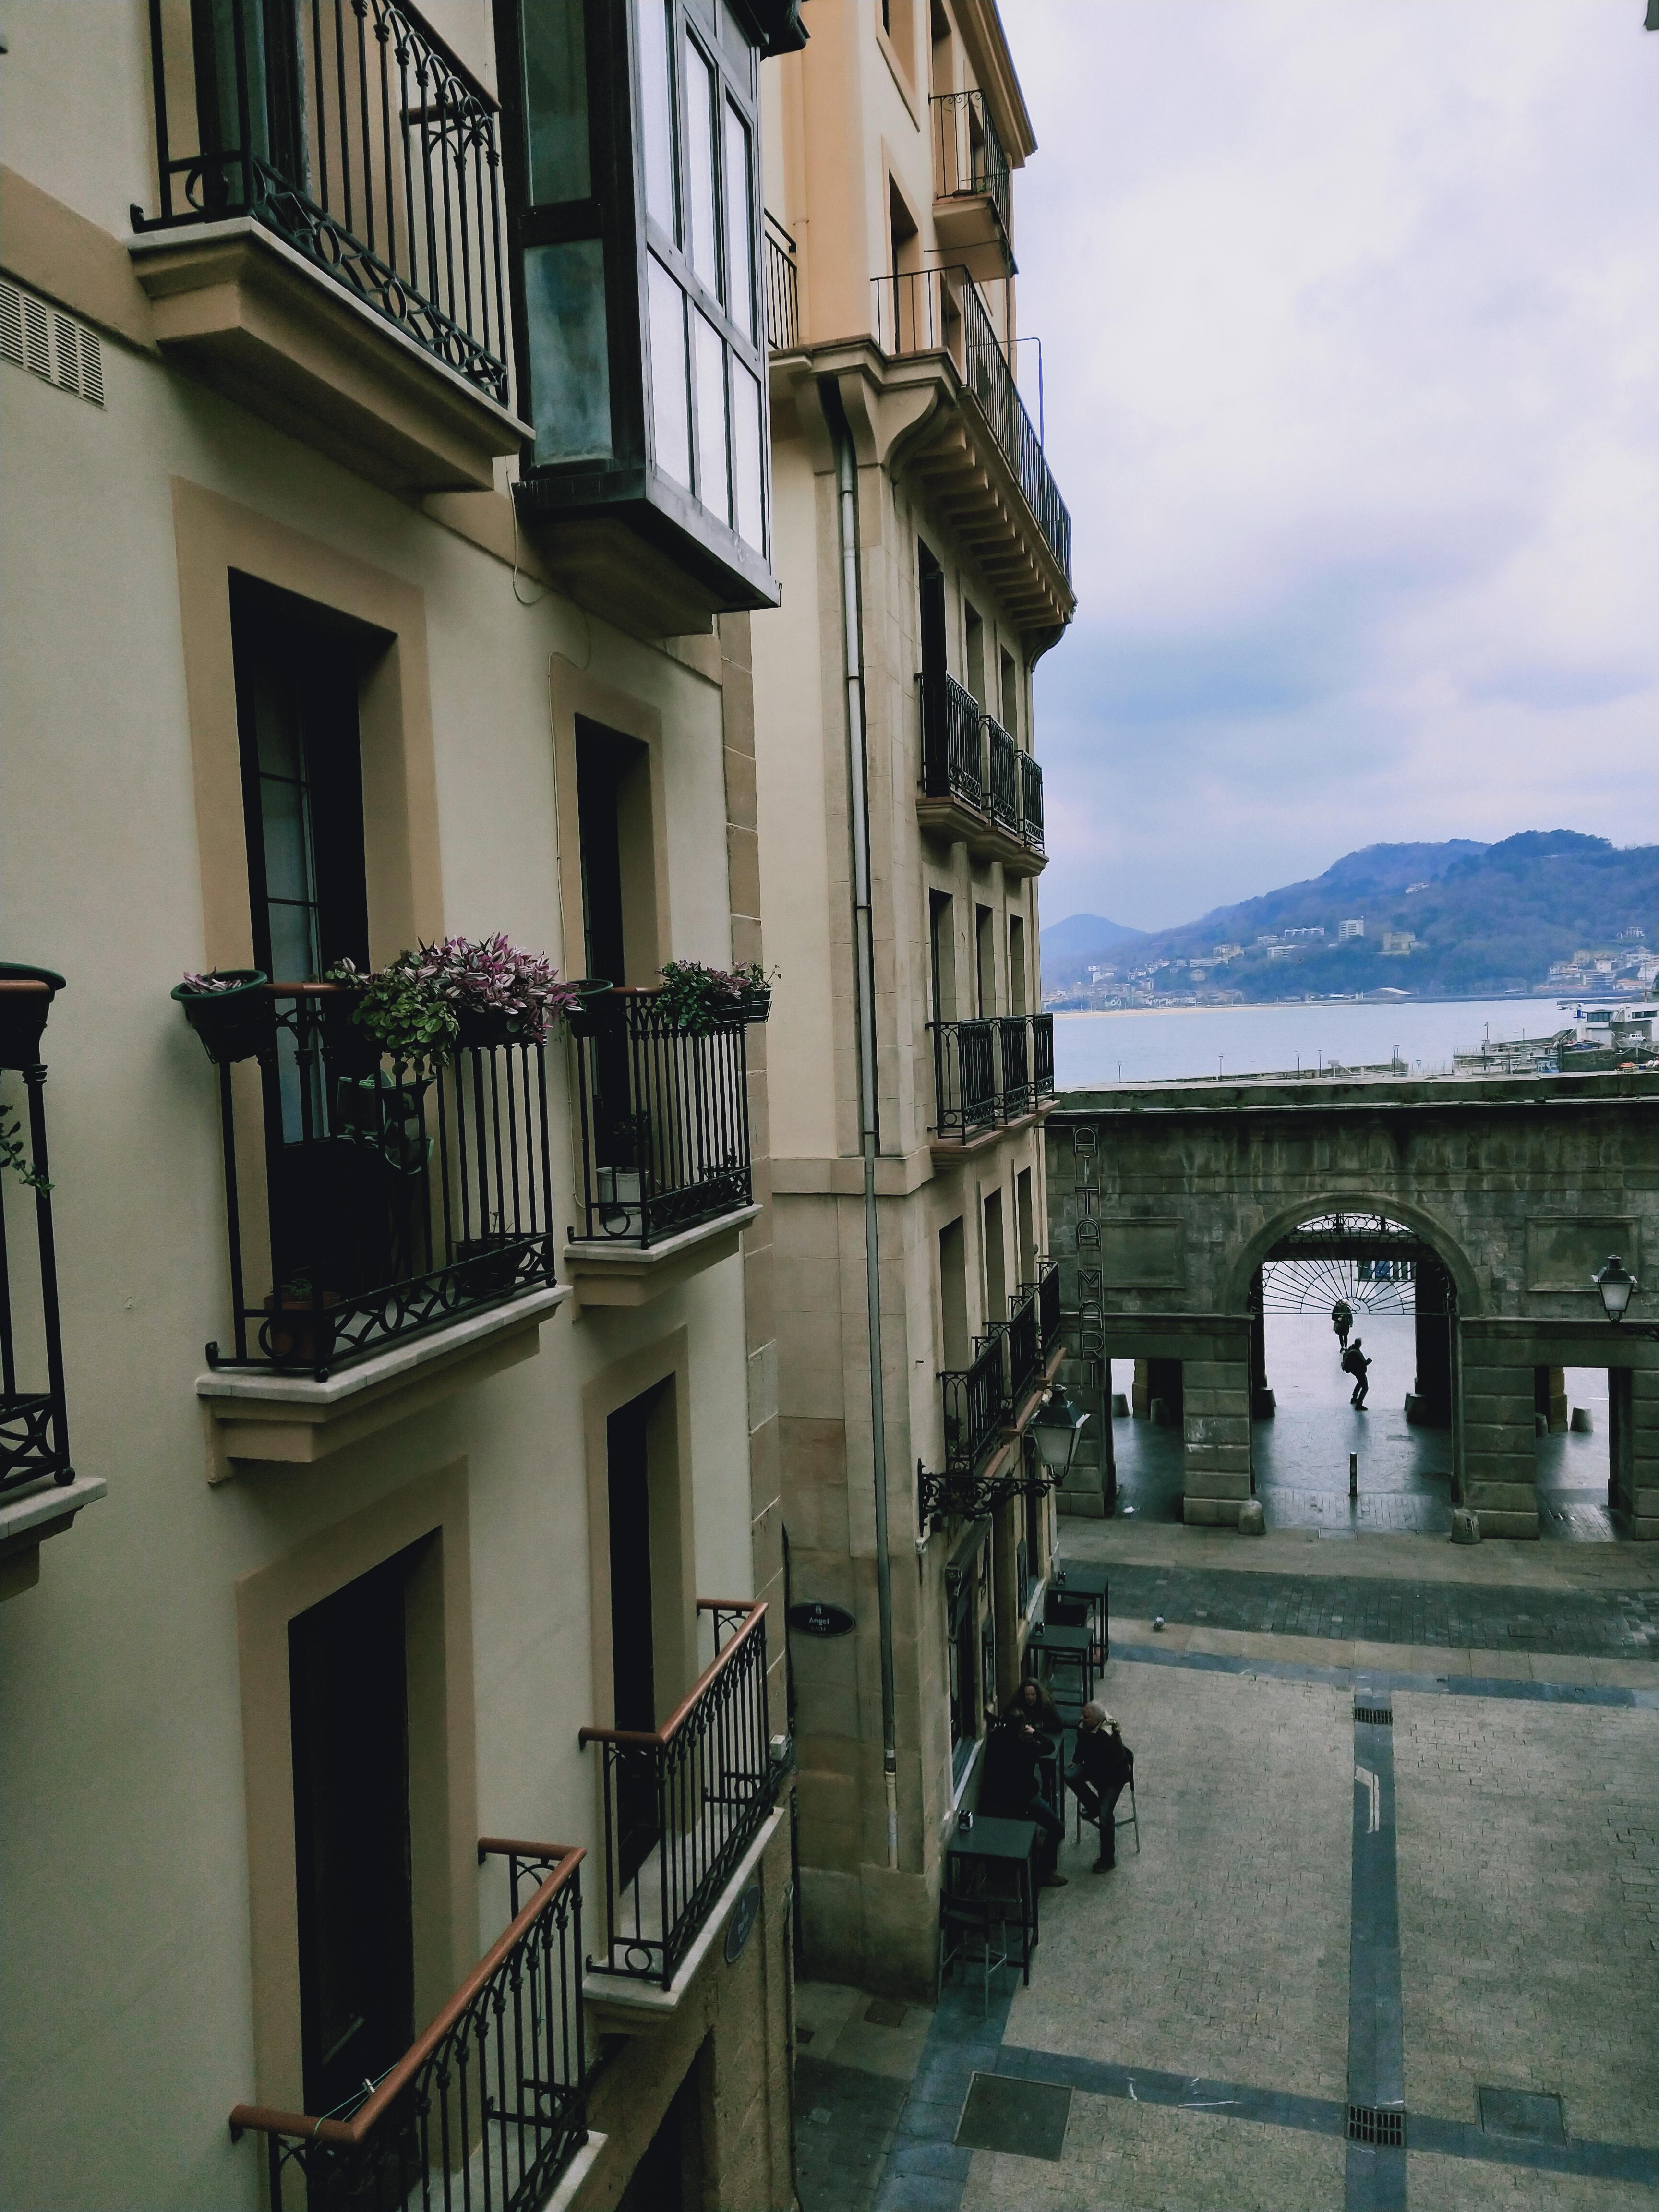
[1447, 1914]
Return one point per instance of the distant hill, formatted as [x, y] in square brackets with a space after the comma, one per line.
[1083, 935]
[1487, 919]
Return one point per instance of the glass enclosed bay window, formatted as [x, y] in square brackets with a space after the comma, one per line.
[633, 174]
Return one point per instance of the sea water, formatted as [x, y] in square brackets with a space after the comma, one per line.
[1156, 1044]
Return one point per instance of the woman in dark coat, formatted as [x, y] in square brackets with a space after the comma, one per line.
[1031, 1704]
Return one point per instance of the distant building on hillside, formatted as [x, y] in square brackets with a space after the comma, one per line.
[1398, 943]
[1347, 929]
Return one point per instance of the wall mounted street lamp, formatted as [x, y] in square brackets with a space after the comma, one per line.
[1056, 1427]
[1617, 1287]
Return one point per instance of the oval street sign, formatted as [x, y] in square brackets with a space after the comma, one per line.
[814, 1618]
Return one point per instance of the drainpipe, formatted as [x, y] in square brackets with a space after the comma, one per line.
[864, 998]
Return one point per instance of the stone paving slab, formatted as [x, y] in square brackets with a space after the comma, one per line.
[1528, 1859]
[1124, 2157]
[1459, 2184]
[1222, 1949]
[1496, 1563]
[1387, 1658]
[1472, 1616]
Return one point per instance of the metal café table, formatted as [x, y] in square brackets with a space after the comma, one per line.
[1071, 1648]
[1088, 1583]
[999, 1843]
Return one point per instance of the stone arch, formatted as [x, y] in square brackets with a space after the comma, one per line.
[1242, 1271]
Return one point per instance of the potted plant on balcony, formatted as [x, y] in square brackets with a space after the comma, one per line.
[23, 1012]
[301, 1330]
[414, 1025]
[229, 1010]
[587, 1016]
[465, 994]
[695, 997]
[487, 1264]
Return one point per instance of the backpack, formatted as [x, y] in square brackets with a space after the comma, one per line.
[1352, 1362]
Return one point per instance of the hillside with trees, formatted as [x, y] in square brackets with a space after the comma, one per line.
[1482, 920]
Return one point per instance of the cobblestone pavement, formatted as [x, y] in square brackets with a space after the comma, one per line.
[1196, 2001]
[1609, 1624]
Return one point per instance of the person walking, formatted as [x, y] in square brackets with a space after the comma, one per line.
[1355, 1363]
[1342, 1322]
[1098, 1775]
[1009, 1788]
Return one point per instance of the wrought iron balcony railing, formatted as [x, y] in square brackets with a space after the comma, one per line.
[782, 282]
[1002, 787]
[1042, 1055]
[487, 2107]
[1030, 802]
[382, 1201]
[942, 311]
[349, 130]
[966, 1093]
[976, 1402]
[952, 764]
[1045, 1291]
[1022, 1342]
[33, 1422]
[683, 1802]
[992, 1070]
[664, 1120]
[969, 162]
[1014, 1051]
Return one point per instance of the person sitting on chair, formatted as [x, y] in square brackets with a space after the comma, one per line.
[1009, 1790]
[1031, 1703]
[1099, 1776]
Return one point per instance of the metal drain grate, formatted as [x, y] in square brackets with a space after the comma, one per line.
[1378, 1715]
[1381, 2126]
[1027, 2119]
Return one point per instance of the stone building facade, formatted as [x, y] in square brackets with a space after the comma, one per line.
[924, 552]
[386, 511]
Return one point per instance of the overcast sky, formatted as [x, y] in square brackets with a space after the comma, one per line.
[1350, 315]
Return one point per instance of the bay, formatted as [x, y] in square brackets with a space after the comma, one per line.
[1163, 1044]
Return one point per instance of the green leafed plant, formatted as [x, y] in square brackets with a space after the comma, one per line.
[14, 1159]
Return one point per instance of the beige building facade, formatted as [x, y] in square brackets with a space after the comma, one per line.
[924, 553]
[386, 514]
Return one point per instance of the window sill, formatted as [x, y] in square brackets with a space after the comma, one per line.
[293, 1419]
[27, 1521]
[619, 1275]
[291, 344]
[622, 2007]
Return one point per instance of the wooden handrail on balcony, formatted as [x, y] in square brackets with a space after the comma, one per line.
[264, 2119]
[754, 1609]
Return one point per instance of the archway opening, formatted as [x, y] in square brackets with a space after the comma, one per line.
[1353, 1355]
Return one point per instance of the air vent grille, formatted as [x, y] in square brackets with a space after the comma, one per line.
[1381, 2126]
[51, 345]
[1378, 1715]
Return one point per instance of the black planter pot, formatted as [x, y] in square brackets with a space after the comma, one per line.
[23, 1013]
[482, 1029]
[232, 1025]
[491, 1263]
[589, 1016]
[756, 1007]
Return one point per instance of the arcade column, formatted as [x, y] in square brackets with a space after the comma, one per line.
[1429, 1405]
[1500, 1468]
[1216, 1428]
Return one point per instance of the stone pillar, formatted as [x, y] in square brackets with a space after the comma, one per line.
[1262, 1404]
[1430, 1403]
[1140, 1396]
[1549, 1397]
[1216, 1393]
[1500, 1479]
[1642, 1429]
[1164, 1388]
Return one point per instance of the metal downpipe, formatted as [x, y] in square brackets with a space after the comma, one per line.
[864, 994]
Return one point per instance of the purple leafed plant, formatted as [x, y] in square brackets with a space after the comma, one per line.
[491, 974]
[207, 985]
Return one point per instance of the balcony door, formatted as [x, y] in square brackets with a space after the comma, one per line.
[632, 1641]
[298, 668]
[349, 1707]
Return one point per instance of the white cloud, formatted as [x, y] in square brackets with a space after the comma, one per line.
[1350, 329]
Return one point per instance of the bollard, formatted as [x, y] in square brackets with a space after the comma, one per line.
[1353, 1474]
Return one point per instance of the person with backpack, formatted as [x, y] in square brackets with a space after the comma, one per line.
[1355, 1363]
[1342, 1322]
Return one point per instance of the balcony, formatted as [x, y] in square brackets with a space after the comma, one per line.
[972, 193]
[39, 1492]
[782, 284]
[487, 2107]
[401, 1217]
[942, 312]
[987, 1405]
[684, 1805]
[665, 1177]
[331, 246]
[977, 788]
[990, 1075]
